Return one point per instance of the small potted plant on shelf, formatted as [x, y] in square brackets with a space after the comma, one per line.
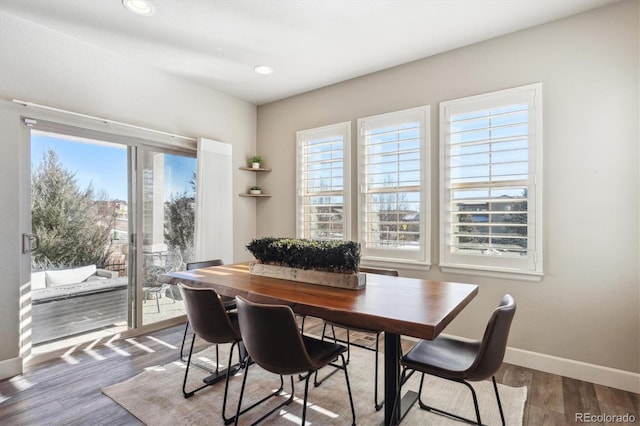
[255, 190]
[255, 161]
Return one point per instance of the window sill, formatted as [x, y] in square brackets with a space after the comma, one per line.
[493, 272]
[375, 262]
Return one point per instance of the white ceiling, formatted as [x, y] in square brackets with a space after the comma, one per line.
[309, 43]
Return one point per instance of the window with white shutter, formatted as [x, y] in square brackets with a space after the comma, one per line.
[392, 166]
[491, 163]
[323, 182]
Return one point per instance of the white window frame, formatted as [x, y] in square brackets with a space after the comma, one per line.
[491, 263]
[303, 137]
[390, 256]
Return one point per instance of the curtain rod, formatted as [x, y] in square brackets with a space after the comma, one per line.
[104, 120]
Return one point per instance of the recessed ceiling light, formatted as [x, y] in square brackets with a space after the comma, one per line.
[140, 7]
[263, 69]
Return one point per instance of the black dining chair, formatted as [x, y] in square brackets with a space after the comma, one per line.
[213, 323]
[332, 325]
[229, 303]
[463, 360]
[274, 342]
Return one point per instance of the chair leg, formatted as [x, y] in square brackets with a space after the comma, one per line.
[306, 395]
[445, 413]
[378, 406]
[342, 367]
[218, 357]
[239, 411]
[182, 356]
[335, 340]
[184, 338]
[346, 377]
[226, 385]
[243, 356]
[317, 382]
[188, 394]
[495, 388]
[230, 370]
[475, 402]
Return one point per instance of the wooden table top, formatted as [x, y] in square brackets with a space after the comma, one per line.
[408, 306]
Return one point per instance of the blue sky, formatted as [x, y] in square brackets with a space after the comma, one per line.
[104, 165]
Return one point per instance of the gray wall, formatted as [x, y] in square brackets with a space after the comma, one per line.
[586, 307]
[46, 67]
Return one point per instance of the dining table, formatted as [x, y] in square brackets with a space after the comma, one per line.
[398, 306]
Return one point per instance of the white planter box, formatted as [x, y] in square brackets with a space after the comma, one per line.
[332, 279]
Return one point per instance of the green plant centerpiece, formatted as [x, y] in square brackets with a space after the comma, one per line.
[332, 263]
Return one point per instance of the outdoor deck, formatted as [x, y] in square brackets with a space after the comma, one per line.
[150, 315]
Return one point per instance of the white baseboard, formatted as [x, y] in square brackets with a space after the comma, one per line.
[592, 373]
[10, 367]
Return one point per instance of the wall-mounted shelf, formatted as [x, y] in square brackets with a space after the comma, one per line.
[251, 169]
[255, 195]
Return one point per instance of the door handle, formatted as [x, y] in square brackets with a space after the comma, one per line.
[30, 243]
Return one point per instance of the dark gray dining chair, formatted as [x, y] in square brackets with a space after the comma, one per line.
[274, 342]
[213, 323]
[229, 303]
[463, 360]
[332, 325]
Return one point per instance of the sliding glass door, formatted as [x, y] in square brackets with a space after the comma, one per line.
[168, 221]
[79, 211]
[111, 216]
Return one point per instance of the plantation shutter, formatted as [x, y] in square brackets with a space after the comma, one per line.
[323, 183]
[489, 167]
[393, 185]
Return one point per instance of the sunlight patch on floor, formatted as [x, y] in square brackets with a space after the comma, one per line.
[93, 354]
[139, 345]
[162, 342]
[66, 357]
[117, 349]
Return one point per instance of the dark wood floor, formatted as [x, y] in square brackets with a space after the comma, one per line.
[66, 390]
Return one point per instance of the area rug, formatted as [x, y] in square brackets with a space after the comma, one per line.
[155, 396]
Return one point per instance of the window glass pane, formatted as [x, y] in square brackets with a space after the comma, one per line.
[393, 178]
[394, 220]
[488, 165]
[509, 131]
[168, 194]
[490, 221]
[321, 182]
[80, 213]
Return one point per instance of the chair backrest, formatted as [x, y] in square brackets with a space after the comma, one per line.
[207, 315]
[204, 264]
[379, 271]
[271, 337]
[494, 341]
